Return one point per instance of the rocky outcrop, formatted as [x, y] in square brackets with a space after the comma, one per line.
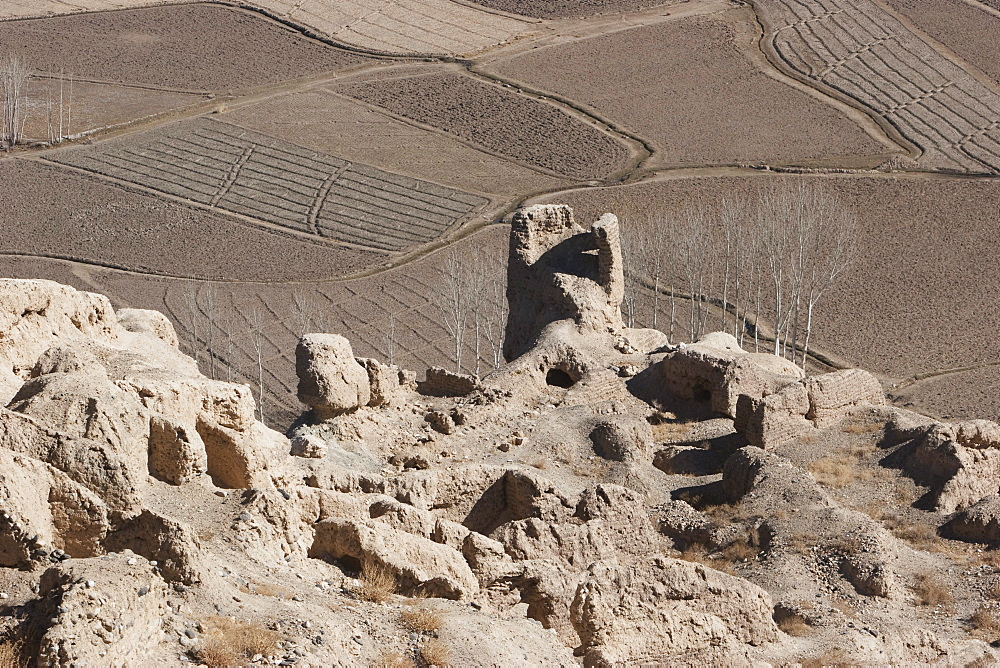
[979, 523]
[659, 609]
[42, 509]
[623, 439]
[331, 381]
[959, 461]
[416, 564]
[558, 270]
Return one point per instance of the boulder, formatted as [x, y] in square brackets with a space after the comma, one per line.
[93, 465]
[661, 609]
[174, 546]
[959, 461]
[417, 564]
[176, 452]
[624, 438]
[241, 459]
[109, 612]
[331, 381]
[144, 321]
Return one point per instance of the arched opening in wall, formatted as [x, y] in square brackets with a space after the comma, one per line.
[559, 378]
[702, 394]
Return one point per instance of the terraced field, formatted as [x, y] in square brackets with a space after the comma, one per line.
[705, 99]
[49, 211]
[245, 172]
[404, 26]
[321, 119]
[860, 50]
[967, 28]
[521, 128]
[574, 8]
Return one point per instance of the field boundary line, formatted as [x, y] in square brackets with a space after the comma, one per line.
[234, 173]
[321, 194]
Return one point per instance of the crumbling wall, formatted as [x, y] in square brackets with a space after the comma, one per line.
[558, 270]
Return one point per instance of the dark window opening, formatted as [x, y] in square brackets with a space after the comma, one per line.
[702, 394]
[559, 378]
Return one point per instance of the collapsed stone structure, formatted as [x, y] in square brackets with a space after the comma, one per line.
[556, 512]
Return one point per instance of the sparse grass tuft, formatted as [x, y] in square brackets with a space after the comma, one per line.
[844, 467]
[376, 584]
[393, 660]
[740, 551]
[863, 427]
[985, 624]
[231, 643]
[929, 591]
[422, 618]
[435, 652]
[794, 625]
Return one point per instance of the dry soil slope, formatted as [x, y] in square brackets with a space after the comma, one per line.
[189, 47]
[222, 166]
[691, 88]
[500, 120]
[321, 119]
[859, 49]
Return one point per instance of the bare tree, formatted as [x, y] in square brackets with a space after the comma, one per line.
[256, 334]
[490, 311]
[454, 302]
[390, 338]
[13, 85]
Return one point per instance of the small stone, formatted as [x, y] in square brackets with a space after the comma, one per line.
[221, 492]
[296, 598]
[3, 595]
[504, 447]
[190, 633]
[131, 561]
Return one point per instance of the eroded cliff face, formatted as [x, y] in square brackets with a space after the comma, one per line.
[607, 498]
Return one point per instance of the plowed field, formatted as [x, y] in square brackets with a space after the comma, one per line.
[219, 165]
[859, 49]
[189, 47]
[321, 119]
[967, 29]
[51, 211]
[519, 127]
[571, 8]
[703, 100]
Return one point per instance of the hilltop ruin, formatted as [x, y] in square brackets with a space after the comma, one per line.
[607, 498]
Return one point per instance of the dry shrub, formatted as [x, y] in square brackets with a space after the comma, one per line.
[930, 591]
[993, 592]
[740, 551]
[393, 660]
[864, 427]
[921, 536]
[985, 624]
[12, 654]
[670, 432]
[794, 625]
[422, 618]
[435, 652]
[376, 584]
[231, 643]
[541, 464]
[697, 554]
[843, 468]
[844, 608]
